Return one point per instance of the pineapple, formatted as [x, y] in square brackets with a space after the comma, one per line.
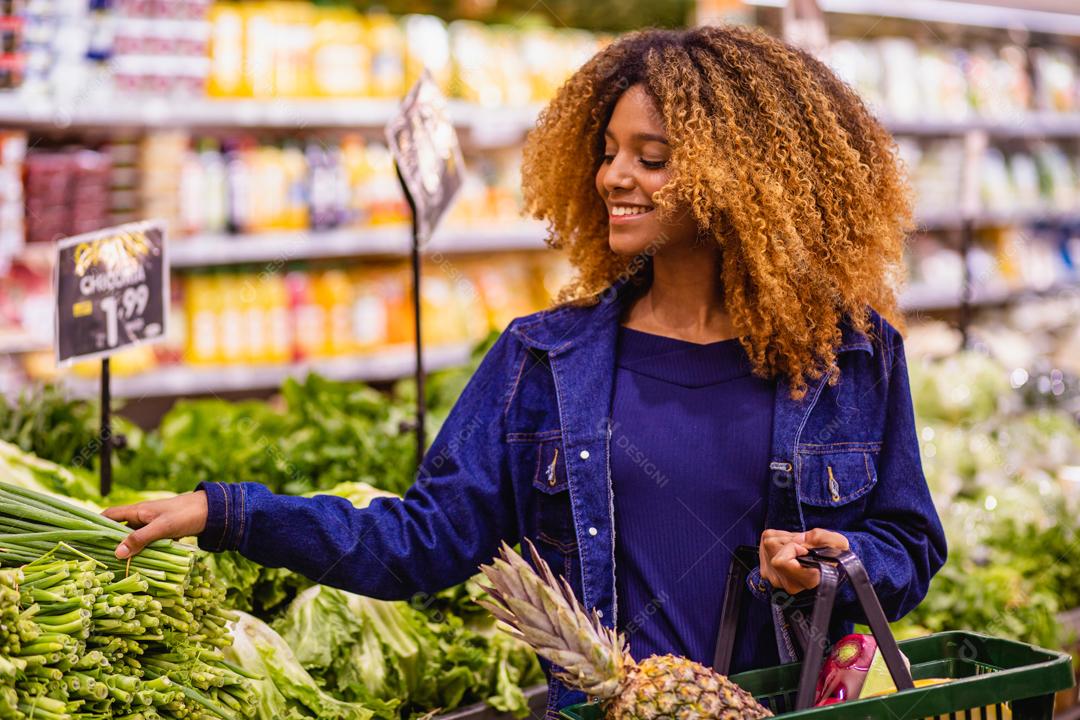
[544, 613]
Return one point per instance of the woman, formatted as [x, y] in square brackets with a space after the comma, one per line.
[722, 370]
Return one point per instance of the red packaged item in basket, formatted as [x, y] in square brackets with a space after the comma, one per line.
[854, 669]
[844, 672]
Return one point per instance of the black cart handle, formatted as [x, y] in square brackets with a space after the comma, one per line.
[831, 562]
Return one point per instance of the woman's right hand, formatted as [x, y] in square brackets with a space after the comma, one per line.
[177, 517]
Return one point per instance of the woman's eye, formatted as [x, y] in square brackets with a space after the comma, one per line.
[653, 164]
[608, 157]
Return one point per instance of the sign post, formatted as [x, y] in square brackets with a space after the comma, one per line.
[431, 171]
[111, 289]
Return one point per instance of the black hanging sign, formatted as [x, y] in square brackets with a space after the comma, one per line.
[112, 290]
[431, 170]
[425, 146]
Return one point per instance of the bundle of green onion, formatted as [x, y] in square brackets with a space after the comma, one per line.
[96, 637]
[13, 631]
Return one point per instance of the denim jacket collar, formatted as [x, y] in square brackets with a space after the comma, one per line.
[564, 327]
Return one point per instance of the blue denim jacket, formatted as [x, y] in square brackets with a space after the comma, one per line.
[525, 453]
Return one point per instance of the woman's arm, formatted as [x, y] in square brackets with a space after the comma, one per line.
[899, 539]
[451, 519]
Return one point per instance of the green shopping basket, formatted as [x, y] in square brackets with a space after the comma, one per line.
[989, 678]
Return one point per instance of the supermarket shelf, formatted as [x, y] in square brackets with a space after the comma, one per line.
[991, 298]
[137, 112]
[15, 343]
[953, 220]
[486, 126]
[958, 13]
[927, 299]
[283, 247]
[1029, 125]
[920, 299]
[182, 380]
[278, 248]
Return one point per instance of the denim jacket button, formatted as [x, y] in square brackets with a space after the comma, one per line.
[592, 531]
[584, 455]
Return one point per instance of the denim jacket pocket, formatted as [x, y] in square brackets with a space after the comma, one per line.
[555, 518]
[541, 457]
[552, 515]
[832, 476]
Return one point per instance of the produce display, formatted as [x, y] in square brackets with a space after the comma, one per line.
[319, 434]
[435, 652]
[337, 655]
[283, 687]
[93, 637]
[544, 612]
[1005, 481]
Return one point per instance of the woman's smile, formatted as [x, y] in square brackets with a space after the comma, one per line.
[621, 214]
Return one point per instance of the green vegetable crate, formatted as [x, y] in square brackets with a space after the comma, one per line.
[989, 678]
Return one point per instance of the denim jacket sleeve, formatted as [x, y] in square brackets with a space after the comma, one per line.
[451, 519]
[899, 539]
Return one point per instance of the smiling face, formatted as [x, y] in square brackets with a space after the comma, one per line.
[633, 168]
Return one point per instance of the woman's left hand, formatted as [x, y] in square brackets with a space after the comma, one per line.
[779, 549]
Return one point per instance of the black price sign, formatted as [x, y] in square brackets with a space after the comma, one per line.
[111, 290]
[425, 146]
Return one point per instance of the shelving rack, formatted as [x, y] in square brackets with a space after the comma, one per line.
[183, 380]
[1021, 19]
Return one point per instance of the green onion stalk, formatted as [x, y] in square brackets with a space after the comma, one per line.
[85, 636]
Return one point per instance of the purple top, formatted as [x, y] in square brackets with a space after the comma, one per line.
[689, 463]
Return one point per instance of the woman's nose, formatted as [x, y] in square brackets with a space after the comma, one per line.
[618, 176]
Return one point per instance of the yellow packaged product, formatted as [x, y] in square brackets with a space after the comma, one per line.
[274, 298]
[131, 360]
[474, 76]
[296, 210]
[506, 288]
[394, 284]
[232, 326]
[260, 43]
[427, 44]
[294, 45]
[381, 192]
[254, 318]
[554, 272]
[269, 188]
[202, 308]
[341, 59]
[368, 314]
[387, 43]
[227, 76]
[439, 313]
[357, 171]
[334, 293]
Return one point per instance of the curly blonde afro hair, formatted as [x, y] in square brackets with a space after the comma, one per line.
[779, 161]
